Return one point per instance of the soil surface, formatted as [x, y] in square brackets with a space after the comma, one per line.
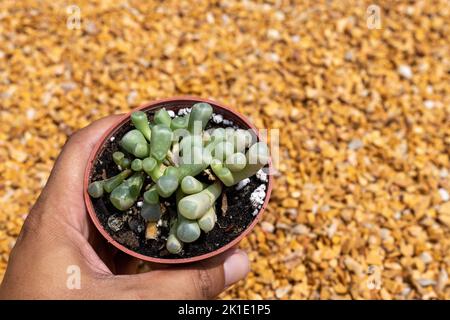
[129, 227]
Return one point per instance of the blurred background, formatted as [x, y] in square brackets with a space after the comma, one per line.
[358, 89]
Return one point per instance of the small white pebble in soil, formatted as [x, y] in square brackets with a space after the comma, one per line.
[405, 71]
[217, 118]
[184, 111]
[257, 197]
[112, 138]
[241, 184]
[261, 175]
[227, 122]
[255, 212]
[171, 113]
[139, 204]
[444, 194]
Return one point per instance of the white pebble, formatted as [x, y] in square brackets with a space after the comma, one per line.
[273, 34]
[355, 144]
[184, 111]
[426, 282]
[112, 138]
[405, 71]
[139, 204]
[241, 184]
[429, 104]
[281, 292]
[384, 233]
[267, 227]
[444, 194]
[295, 38]
[31, 113]
[261, 175]
[132, 97]
[68, 86]
[426, 257]
[300, 229]
[217, 118]
[258, 196]
[171, 113]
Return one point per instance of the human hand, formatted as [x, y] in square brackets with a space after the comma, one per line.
[58, 233]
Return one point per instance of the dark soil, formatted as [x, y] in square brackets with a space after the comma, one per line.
[129, 226]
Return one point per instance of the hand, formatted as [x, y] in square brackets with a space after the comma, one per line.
[58, 233]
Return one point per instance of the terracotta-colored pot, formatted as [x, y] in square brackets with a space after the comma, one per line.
[171, 104]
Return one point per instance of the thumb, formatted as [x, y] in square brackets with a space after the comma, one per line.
[202, 280]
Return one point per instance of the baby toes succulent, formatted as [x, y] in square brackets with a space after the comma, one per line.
[175, 155]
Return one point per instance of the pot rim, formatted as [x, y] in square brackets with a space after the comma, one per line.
[119, 123]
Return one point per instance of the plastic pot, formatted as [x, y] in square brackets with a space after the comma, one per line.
[171, 104]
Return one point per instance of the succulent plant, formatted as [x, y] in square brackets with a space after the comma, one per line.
[257, 157]
[110, 184]
[126, 194]
[173, 152]
[161, 142]
[148, 164]
[194, 206]
[180, 122]
[190, 185]
[199, 117]
[162, 117]
[173, 244]
[208, 221]
[140, 121]
[95, 189]
[134, 142]
[187, 230]
[136, 165]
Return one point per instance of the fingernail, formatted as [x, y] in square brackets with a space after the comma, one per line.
[236, 267]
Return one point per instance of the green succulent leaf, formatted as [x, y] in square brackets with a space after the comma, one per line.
[113, 182]
[161, 141]
[190, 185]
[194, 206]
[209, 219]
[148, 164]
[187, 230]
[199, 117]
[126, 194]
[151, 196]
[135, 143]
[136, 165]
[167, 185]
[236, 161]
[95, 189]
[162, 117]
[180, 122]
[140, 121]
